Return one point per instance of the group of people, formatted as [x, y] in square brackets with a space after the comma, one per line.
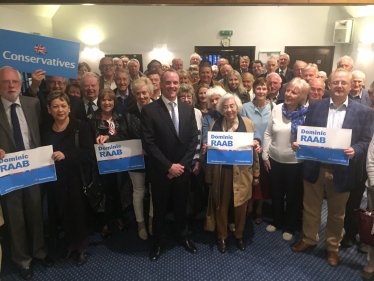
[171, 114]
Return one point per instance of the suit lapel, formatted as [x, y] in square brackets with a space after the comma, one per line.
[164, 112]
[5, 124]
[350, 115]
[30, 117]
[324, 113]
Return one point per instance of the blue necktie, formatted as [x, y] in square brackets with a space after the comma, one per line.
[17, 134]
[174, 117]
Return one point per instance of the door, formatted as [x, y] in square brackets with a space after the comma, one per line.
[322, 56]
[232, 54]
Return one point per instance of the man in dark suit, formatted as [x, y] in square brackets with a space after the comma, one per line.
[360, 95]
[169, 136]
[19, 130]
[283, 70]
[54, 83]
[333, 181]
[123, 92]
[106, 67]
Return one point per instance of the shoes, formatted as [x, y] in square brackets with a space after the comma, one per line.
[106, 233]
[121, 225]
[155, 252]
[221, 245]
[271, 228]
[347, 242]
[66, 255]
[287, 236]
[301, 246]
[366, 274]
[150, 228]
[27, 273]
[232, 227]
[82, 259]
[258, 219]
[189, 246]
[142, 231]
[48, 261]
[333, 258]
[240, 244]
[363, 248]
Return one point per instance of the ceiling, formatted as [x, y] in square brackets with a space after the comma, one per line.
[48, 11]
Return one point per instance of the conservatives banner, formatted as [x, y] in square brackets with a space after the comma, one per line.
[230, 148]
[26, 168]
[119, 156]
[323, 144]
[27, 52]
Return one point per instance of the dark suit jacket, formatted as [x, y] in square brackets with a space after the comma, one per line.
[289, 74]
[130, 101]
[77, 109]
[358, 118]
[161, 142]
[31, 110]
[365, 99]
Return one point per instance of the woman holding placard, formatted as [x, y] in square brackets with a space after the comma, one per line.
[259, 111]
[142, 89]
[280, 160]
[231, 182]
[67, 191]
[108, 126]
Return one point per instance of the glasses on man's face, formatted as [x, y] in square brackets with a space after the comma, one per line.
[337, 83]
[185, 97]
[107, 65]
[7, 82]
[54, 83]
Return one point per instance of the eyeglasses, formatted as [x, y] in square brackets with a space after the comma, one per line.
[185, 97]
[7, 82]
[58, 83]
[106, 65]
[343, 83]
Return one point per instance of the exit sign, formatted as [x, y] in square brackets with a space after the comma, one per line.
[225, 32]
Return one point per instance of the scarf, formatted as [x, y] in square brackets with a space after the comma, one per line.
[297, 117]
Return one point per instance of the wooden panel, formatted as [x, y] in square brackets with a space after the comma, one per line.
[196, 2]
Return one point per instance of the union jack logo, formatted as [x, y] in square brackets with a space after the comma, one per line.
[39, 49]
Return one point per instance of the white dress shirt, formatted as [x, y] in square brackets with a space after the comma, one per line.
[336, 115]
[168, 106]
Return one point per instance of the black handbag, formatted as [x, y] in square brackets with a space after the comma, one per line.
[366, 226]
[93, 190]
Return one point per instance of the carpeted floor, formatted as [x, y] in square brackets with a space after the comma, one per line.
[267, 257]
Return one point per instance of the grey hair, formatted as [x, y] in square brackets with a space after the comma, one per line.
[194, 55]
[226, 97]
[346, 58]
[134, 60]
[122, 70]
[358, 73]
[90, 74]
[175, 59]
[285, 55]
[140, 82]
[186, 88]
[302, 86]
[216, 90]
[310, 66]
[19, 74]
[116, 59]
[244, 58]
[274, 74]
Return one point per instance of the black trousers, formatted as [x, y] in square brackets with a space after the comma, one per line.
[354, 202]
[176, 191]
[286, 181]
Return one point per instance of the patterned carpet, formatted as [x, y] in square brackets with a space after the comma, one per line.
[267, 257]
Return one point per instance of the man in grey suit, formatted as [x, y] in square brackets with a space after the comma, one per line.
[19, 130]
[358, 93]
[283, 62]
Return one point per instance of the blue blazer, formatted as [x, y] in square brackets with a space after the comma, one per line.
[358, 118]
[365, 99]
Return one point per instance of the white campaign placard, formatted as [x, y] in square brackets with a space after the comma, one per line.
[116, 150]
[230, 140]
[324, 137]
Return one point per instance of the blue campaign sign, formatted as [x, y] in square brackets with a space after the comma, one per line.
[230, 157]
[28, 178]
[122, 164]
[323, 154]
[27, 52]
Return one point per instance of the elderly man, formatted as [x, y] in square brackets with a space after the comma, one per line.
[155, 78]
[248, 83]
[316, 90]
[221, 62]
[206, 75]
[106, 67]
[177, 64]
[134, 70]
[275, 84]
[345, 62]
[258, 69]
[271, 66]
[309, 72]
[360, 95]
[244, 65]
[195, 59]
[283, 70]
[333, 181]
[123, 94]
[297, 67]
[224, 71]
[125, 61]
[54, 83]
[117, 63]
[19, 130]
[90, 92]
[174, 121]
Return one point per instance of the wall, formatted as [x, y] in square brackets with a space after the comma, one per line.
[25, 22]
[137, 29]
